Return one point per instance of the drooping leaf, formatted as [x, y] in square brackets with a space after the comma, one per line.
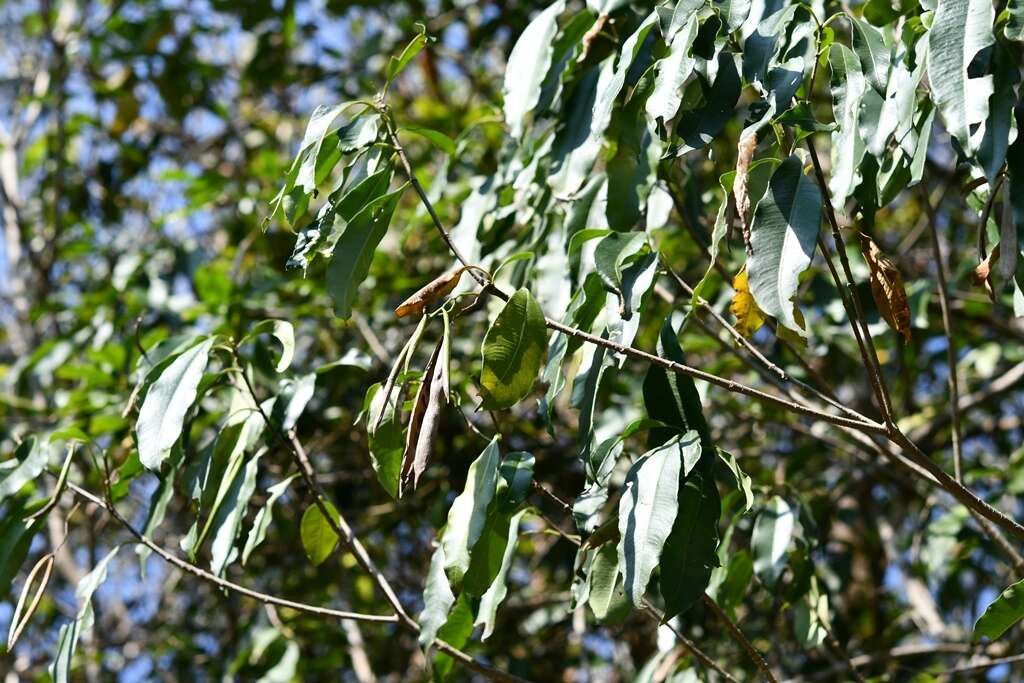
[783, 236]
[689, 554]
[469, 511]
[769, 543]
[528, 64]
[30, 460]
[354, 250]
[647, 511]
[261, 523]
[435, 137]
[281, 330]
[162, 415]
[1005, 611]
[743, 481]
[513, 351]
[848, 88]
[749, 318]
[607, 596]
[386, 449]
[17, 529]
[437, 599]
[960, 30]
[673, 71]
[498, 589]
[70, 633]
[610, 254]
[228, 521]
[318, 536]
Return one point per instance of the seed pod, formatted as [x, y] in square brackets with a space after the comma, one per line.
[887, 287]
[437, 288]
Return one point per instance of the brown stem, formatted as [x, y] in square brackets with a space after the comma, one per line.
[741, 639]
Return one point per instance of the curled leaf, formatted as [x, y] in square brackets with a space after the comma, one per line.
[982, 275]
[887, 287]
[437, 288]
[745, 148]
[749, 317]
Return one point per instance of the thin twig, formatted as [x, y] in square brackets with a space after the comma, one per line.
[741, 639]
[192, 569]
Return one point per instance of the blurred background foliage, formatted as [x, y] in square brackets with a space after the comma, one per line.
[141, 145]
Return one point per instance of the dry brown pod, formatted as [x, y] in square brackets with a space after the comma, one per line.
[887, 287]
[745, 153]
[439, 287]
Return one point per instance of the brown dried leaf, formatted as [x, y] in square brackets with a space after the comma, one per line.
[982, 275]
[423, 422]
[589, 36]
[745, 149]
[749, 318]
[887, 287]
[437, 288]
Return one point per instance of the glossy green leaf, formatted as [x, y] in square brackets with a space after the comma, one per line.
[70, 633]
[468, 512]
[315, 530]
[284, 333]
[528, 64]
[689, 555]
[261, 523]
[498, 589]
[29, 461]
[162, 415]
[784, 232]
[436, 138]
[438, 599]
[960, 30]
[647, 510]
[673, 71]
[848, 88]
[354, 250]
[1005, 611]
[607, 598]
[397, 64]
[513, 351]
[770, 540]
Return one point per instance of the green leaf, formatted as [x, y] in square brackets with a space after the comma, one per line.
[743, 481]
[228, 521]
[647, 509]
[67, 639]
[318, 537]
[1014, 29]
[672, 398]
[30, 460]
[528, 65]
[357, 132]
[162, 415]
[436, 138]
[437, 599]
[18, 527]
[469, 512]
[609, 255]
[699, 127]
[387, 444]
[261, 523]
[1001, 614]
[784, 231]
[607, 595]
[769, 543]
[689, 555]
[281, 330]
[960, 30]
[354, 250]
[848, 88]
[513, 351]
[498, 589]
[872, 53]
[397, 64]
[673, 71]
[1000, 128]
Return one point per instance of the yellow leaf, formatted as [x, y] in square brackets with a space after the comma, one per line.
[749, 318]
[887, 287]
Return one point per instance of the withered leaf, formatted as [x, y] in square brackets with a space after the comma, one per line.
[423, 421]
[887, 287]
[982, 275]
[749, 318]
[437, 288]
[745, 149]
